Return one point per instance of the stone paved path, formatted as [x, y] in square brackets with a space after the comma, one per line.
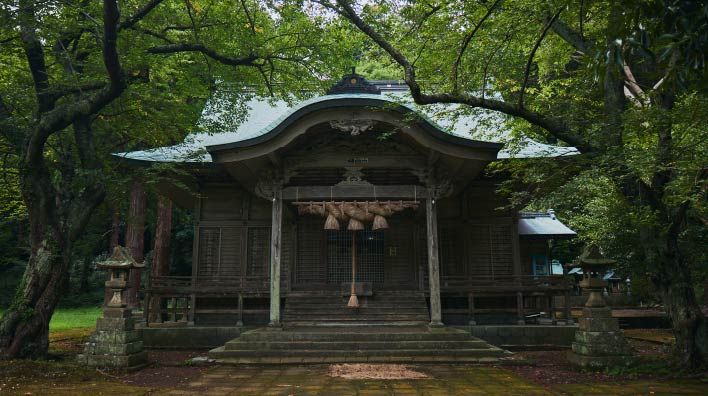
[313, 380]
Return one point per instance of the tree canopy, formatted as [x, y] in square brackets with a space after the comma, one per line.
[623, 82]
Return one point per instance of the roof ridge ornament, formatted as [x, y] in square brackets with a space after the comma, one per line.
[353, 83]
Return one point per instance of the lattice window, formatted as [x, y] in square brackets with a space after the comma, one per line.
[370, 249]
[502, 253]
[208, 251]
[231, 251]
[258, 251]
[452, 252]
[310, 267]
[479, 248]
[370, 256]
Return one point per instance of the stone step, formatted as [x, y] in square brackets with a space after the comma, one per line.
[354, 319]
[361, 300]
[222, 352]
[317, 334]
[358, 359]
[360, 323]
[287, 318]
[355, 345]
[343, 304]
[354, 315]
[360, 311]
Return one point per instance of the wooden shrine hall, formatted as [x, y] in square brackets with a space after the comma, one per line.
[353, 208]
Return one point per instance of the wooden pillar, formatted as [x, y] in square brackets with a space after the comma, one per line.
[433, 263]
[470, 309]
[193, 286]
[239, 320]
[520, 308]
[161, 258]
[275, 244]
[134, 240]
[516, 249]
[566, 307]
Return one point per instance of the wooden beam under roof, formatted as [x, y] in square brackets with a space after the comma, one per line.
[357, 191]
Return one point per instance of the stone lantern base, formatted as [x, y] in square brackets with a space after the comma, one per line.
[115, 343]
[599, 341]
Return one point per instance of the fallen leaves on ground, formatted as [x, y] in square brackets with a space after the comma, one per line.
[374, 371]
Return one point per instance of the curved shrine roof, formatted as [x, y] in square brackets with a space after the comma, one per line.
[263, 118]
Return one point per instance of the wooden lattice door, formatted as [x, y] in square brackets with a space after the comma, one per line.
[399, 254]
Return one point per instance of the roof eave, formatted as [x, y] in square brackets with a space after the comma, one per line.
[333, 103]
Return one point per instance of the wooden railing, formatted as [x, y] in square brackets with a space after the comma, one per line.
[527, 289]
[177, 296]
[523, 283]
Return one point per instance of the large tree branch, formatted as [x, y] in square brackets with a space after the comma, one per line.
[34, 52]
[572, 37]
[529, 62]
[465, 43]
[139, 14]
[211, 53]
[92, 195]
[63, 116]
[555, 126]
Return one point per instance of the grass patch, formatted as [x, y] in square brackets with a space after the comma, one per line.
[72, 318]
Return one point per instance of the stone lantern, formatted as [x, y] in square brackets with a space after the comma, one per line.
[116, 343]
[598, 340]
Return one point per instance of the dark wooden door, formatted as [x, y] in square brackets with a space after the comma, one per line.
[399, 254]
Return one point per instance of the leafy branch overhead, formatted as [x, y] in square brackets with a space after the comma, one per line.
[98, 82]
[616, 80]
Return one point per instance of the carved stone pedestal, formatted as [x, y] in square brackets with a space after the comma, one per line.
[598, 340]
[115, 343]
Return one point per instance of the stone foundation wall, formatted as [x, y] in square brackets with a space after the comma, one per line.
[526, 336]
[613, 300]
[188, 337]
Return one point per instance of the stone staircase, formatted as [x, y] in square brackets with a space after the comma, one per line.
[400, 344]
[390, 308]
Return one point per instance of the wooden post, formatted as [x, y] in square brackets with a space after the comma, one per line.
[433, 263]
[134, 240]
[275, 242]
[470, 309]
[195, 263]
[161, 258]
[173, 313]
[520, 308]
[566, 307]
[239, 321]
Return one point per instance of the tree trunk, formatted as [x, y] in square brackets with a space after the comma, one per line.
[24, 329]
[674, 282]
[85, 271]
[135, 239]
[161, 258]
[115, 230]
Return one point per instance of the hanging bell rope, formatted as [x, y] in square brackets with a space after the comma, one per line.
[353, 300]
